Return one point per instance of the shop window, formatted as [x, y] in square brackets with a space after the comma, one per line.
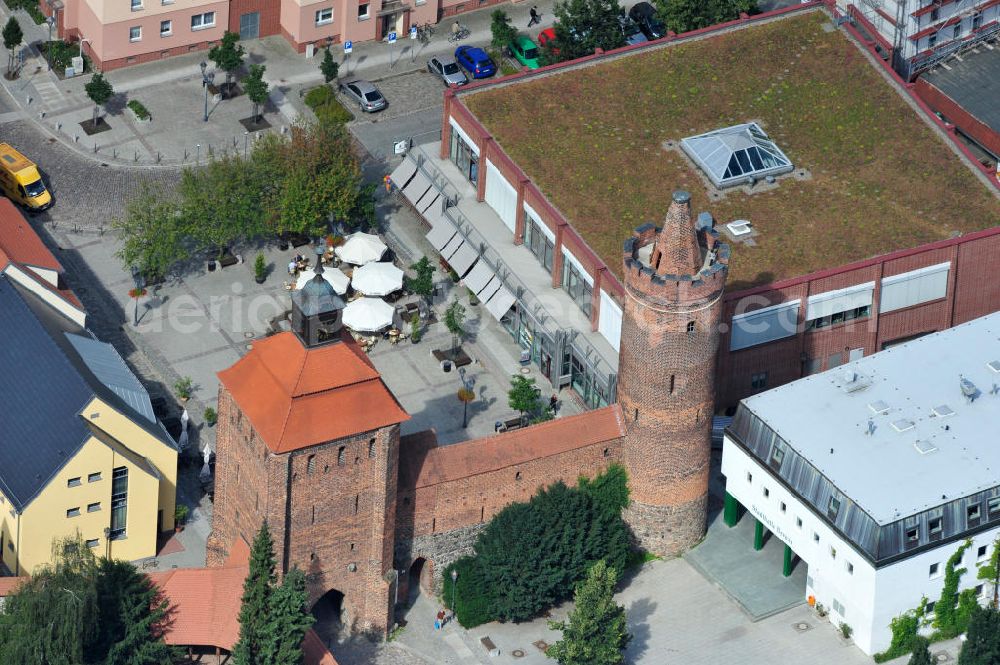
[578, 288]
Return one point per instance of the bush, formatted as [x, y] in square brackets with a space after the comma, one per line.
[321, 94]
[210, 416]
[846, 630]
[61, 55]
[333, 114]
[471, 606]
[140, 111]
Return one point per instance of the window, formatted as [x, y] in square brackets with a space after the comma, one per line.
[201, 21]
[973, 513]
[356, 498]
[798, 522]
[93, 507]
[767, 493]
[749, 477]
[839, 317]
[833, 508]
[310, 464]
[838, 607]
[783, 507]
[758, 381]
[340, 455]
[777, 456]
[312, 518]
[73, 482]
[850, 568]
[835, 360]
[166, 2]
[977, 21]
[324, 16]
[815, 537]
[73, 512]
[538, 242]
[371, 449]
[136, 5]
[993, 507]
[135, 33]
[981, 553]
[93, 542]
[764, 325]
[833, 552]
[929, 608]
[935, 14]
[166, 28]
[912, 536]
[690, 327]
[934, 528]
[93, 477]
[931, 40]
[363, 11]
[933, 569]
[517, 476]
[577, 285]
[119, 501]
[956, 31]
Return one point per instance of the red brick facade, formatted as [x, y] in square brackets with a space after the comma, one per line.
[971, 126]
[270, 15]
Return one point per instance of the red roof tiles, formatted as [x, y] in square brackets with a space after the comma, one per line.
[9, 584]
[20, 243]
[297, 397]
[421, 467]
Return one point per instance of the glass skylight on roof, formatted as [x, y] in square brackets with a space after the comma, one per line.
[902, 425]
[735, 155]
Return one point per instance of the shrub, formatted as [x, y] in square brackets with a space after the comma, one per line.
[184, 387]
[466, 596]
[30, 6]
[210, 416]
[140, 111]
[609, 490]
[904, 631]
[180, 513]
[321, 94]
[61, 55]
[846, 630]
[333, 113]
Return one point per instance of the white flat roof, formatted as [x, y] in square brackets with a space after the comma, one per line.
[931, 443]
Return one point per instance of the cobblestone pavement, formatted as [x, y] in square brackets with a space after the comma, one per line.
[405, 93]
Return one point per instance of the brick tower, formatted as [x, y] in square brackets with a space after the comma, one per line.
[674, 280]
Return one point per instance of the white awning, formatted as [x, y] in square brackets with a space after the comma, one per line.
[441, 234]
[452, 246]
[401, 174]
[841, 300]
[435, 212]
[431, 198]
[417, 187]
[463, 258]
[500, 303]
[490, 289]
[478, 277]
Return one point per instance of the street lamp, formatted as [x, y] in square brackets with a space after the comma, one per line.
[51, 20]
[467, 394]
[454, 586]
[206, 80]
[140, 284]
[107, 542]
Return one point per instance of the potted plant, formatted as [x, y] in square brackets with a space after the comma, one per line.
[415, 331]
[259, 268]
[210, 416]
[184, 387]
[180, 517]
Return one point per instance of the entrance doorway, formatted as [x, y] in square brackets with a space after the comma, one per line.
[419, 572]
[250, 25]
[330, 617]
[392, 22]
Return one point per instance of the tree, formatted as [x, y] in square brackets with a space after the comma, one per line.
[454, 317]
[138, 616]
[423, 283]
[608, 490]
[328, 66]
[363, 211]
[228, 56]
[982, 644]
[288, 621]
[990, 571]
[523, 396]
[596, 632]
[12, 38]
[255, 619]
[219, 204]
[920, 654]
[99, 90]
[149, 232]
[256, 88]
[685, 15]
[501, 29]
[584, 25]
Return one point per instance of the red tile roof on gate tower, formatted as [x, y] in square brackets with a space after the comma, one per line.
[296, 397]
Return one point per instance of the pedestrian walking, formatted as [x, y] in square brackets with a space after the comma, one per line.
[535, 16]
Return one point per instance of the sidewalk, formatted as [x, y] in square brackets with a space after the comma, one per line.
[171, 89]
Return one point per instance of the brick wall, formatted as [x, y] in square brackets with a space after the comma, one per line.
[978, 130]
[270, 15]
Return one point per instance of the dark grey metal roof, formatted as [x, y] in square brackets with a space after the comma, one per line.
[111, 370]
[973, 83]
[41, 395]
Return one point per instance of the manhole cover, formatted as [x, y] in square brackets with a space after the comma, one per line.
[517, 653]
[941, 657]
[525, 370]
[248, 335]
[541, 645]
[801, 626]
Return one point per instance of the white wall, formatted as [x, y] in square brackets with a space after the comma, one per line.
[610, 322]
[501, 196]
[871, 598]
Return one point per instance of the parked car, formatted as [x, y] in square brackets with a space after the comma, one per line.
[365, 94]
[644, 15]
[446, 69]
[633, 34]
[475, 61]
[525, 51]
[548, 36]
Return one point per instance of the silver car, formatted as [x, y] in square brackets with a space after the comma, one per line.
[446, 69]
[365, 94]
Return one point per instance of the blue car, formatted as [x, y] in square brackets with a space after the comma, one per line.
[475, 61]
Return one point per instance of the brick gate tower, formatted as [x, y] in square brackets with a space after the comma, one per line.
[674, 280]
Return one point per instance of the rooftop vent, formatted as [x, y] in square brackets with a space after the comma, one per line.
[924, 447]
[943, 411]
[968, 388]
[706, 221]
[879, 407]
[994, 365]
[902, 425]
[740, 227]
[849, 380]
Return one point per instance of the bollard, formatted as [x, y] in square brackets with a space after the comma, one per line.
[42, 114]
[185, 155]
[136, 159]
[157, 156]
[95, 146]
[76, 138]
[29, 100]
[58, 126]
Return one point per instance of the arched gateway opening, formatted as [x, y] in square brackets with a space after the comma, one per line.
[329, 613]
[418, 579]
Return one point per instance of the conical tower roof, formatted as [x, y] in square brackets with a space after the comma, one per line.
[676, 251]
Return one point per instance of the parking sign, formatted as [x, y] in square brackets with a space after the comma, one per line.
[348, 46]
[392, 37]
[413, 32]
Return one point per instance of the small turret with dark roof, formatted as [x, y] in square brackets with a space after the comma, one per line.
[317, 309]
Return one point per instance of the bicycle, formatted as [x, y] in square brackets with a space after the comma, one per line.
[425, 32]
[463, 33]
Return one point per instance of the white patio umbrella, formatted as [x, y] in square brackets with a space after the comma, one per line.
[361, 248]
[368, 315]
[377, 279]
[334, 276]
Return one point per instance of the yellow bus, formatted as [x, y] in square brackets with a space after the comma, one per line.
[21, 181]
